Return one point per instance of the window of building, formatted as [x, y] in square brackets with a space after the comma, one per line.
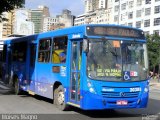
[44, 50]
[148, 1]
[130, 24]
[157, 9]
[156, 21]
[157, 0]
[123, 16]
[147, 23]
[130, 15]
[115, 18]
[138, 24]
[138, 13]
[116, 8]
[147, 11]
[146, 32]
[59, 51]
[123, 6]
[156, 32]
[131, 4]
[139, 2]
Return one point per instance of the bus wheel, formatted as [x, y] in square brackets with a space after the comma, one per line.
[59, 98]
[16, 87]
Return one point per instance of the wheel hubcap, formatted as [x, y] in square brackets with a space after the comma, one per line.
[60, 97]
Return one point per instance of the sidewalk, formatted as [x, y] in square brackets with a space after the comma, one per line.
[154, 83]
[4, 85]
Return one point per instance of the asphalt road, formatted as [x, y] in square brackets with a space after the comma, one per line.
[28, 107]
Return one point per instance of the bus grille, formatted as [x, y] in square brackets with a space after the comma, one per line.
[120, 94]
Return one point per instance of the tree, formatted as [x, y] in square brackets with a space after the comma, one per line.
[153, 44]
[8, 5]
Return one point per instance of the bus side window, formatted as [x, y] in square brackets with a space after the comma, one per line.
[59, 49]
[41, 57]
[19, 52]
[44, 50]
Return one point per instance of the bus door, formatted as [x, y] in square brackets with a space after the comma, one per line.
[43, 68]
[32, 67]
[76, 55]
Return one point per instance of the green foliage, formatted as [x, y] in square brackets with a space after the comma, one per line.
[8, 5]
[153, 43]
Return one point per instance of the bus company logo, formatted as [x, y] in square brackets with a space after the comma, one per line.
[122, 94]
[76, 36]
[107, 90]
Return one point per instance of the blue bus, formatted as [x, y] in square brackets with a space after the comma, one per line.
[94, 66]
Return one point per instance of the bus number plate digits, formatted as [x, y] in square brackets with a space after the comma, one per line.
[137, 89]
[122, 102]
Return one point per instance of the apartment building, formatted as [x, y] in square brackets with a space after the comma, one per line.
[49, 22]
[6, 26]
[143, 14]
[37, 17]
[21, 23]
[96, 11]
[66, 19]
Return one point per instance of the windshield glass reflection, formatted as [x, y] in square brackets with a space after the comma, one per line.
[114, 60]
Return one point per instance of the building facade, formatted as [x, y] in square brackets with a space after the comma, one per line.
[143, 14]
[6, 26]
[49, 22]
[66, 19]
[96, 12]
[37, 17]
[21, 23]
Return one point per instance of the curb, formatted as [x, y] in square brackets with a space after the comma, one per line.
[155, 84]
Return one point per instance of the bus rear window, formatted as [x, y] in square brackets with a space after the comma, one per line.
[19, 52]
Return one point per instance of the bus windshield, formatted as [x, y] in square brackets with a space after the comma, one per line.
[114, 60]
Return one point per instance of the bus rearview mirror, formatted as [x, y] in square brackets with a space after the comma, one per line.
[85, 45]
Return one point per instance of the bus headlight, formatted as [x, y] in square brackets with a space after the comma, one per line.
[146, 89]
[91, 88]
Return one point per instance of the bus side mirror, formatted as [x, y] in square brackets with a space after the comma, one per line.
[85, 45]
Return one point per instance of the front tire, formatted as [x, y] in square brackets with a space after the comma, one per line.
[17, 90]
[59, 98]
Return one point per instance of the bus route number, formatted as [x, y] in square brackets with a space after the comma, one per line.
[138, 89]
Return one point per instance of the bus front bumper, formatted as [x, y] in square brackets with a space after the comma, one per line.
[94, 102]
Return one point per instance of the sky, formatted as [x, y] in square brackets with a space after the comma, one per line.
[56, 6]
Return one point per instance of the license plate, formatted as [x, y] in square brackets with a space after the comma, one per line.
[122, 102]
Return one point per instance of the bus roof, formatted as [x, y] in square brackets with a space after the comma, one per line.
[65, 31]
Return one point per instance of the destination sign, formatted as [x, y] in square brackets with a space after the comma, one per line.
[114, 31]
[108, 73]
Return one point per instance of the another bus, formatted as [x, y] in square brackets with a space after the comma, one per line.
[105, 66]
